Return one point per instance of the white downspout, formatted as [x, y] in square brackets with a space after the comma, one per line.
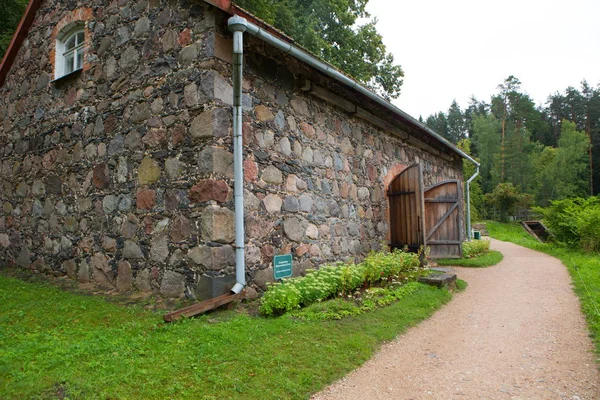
[468, 192]
[238, 27]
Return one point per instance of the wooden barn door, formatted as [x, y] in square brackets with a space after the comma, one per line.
[443, 219]
[405, 194]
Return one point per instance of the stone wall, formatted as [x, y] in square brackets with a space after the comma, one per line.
[123, 175]
[316, 177]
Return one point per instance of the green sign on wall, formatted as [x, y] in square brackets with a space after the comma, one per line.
[282, 266]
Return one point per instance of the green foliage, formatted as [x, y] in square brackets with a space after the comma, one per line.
[547, 153]
[475, 248]
[486, 140]
[475, 190]
[574, 222]
[332, 309]
[332, 280]
[11, 12]
[281, 298]
[330, 30]
[505, 198]
[370, 300]
[588, 228]
[56, 344]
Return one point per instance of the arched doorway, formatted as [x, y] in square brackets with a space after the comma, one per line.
[405, 194]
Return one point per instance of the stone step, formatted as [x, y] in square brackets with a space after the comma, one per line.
[446, 270]
[439, 280]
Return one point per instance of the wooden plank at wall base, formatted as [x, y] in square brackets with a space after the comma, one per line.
[204, 306]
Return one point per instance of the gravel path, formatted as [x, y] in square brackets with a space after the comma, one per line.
[516, 333]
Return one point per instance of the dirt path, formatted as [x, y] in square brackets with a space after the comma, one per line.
[516, 333]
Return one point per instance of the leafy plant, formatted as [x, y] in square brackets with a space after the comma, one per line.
[280, 298]
[588, 228]
[574, 222]
[369, 300]
[333, 280]
[505, 197]
[475, 248]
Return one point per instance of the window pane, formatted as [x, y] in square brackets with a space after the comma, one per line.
[79, 38]
[70, 43]
[79, 59]
[69, 63]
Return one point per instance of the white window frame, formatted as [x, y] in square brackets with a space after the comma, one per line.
[69, 60]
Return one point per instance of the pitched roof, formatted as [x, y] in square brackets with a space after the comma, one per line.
[18, 37]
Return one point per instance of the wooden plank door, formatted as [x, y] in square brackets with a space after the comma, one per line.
[443, 219]
[405, 195]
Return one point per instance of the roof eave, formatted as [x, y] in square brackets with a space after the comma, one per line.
[18, 38]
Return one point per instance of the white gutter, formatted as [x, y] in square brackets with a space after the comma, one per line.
[238, 28]
[468, 185]
[329, 70]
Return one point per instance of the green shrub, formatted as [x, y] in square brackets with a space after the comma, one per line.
[351, 277]
[588, 228]
[574, 222]
[475, 247]
[279, 299]
[337, 308]
[333, 280]
[372, 298]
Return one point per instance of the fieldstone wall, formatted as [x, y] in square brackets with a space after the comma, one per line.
[316, 177]
[123, 174]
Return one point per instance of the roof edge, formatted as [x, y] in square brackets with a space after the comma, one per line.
[18, 37]
[341, 76]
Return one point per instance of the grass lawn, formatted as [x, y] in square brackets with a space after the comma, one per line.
[486, 259]
[59, 344]
[583, 267]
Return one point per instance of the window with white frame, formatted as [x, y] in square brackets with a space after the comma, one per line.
[69, 52]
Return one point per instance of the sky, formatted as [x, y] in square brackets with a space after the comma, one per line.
[456, 49]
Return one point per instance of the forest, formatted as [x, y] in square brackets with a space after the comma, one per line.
[529, 155]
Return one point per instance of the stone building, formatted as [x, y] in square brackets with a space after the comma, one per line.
[116, 158]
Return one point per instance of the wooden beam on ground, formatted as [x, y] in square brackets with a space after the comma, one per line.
[203, 306]
[530, 231]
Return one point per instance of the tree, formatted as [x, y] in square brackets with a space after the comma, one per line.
[486, 137]
[456, 123]
[502, 103]
[11, 12]
[474, 109]
[329, 30]
[505, 198]
[583, 109]
[563, 172]
[571, 163]
[439, 124]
